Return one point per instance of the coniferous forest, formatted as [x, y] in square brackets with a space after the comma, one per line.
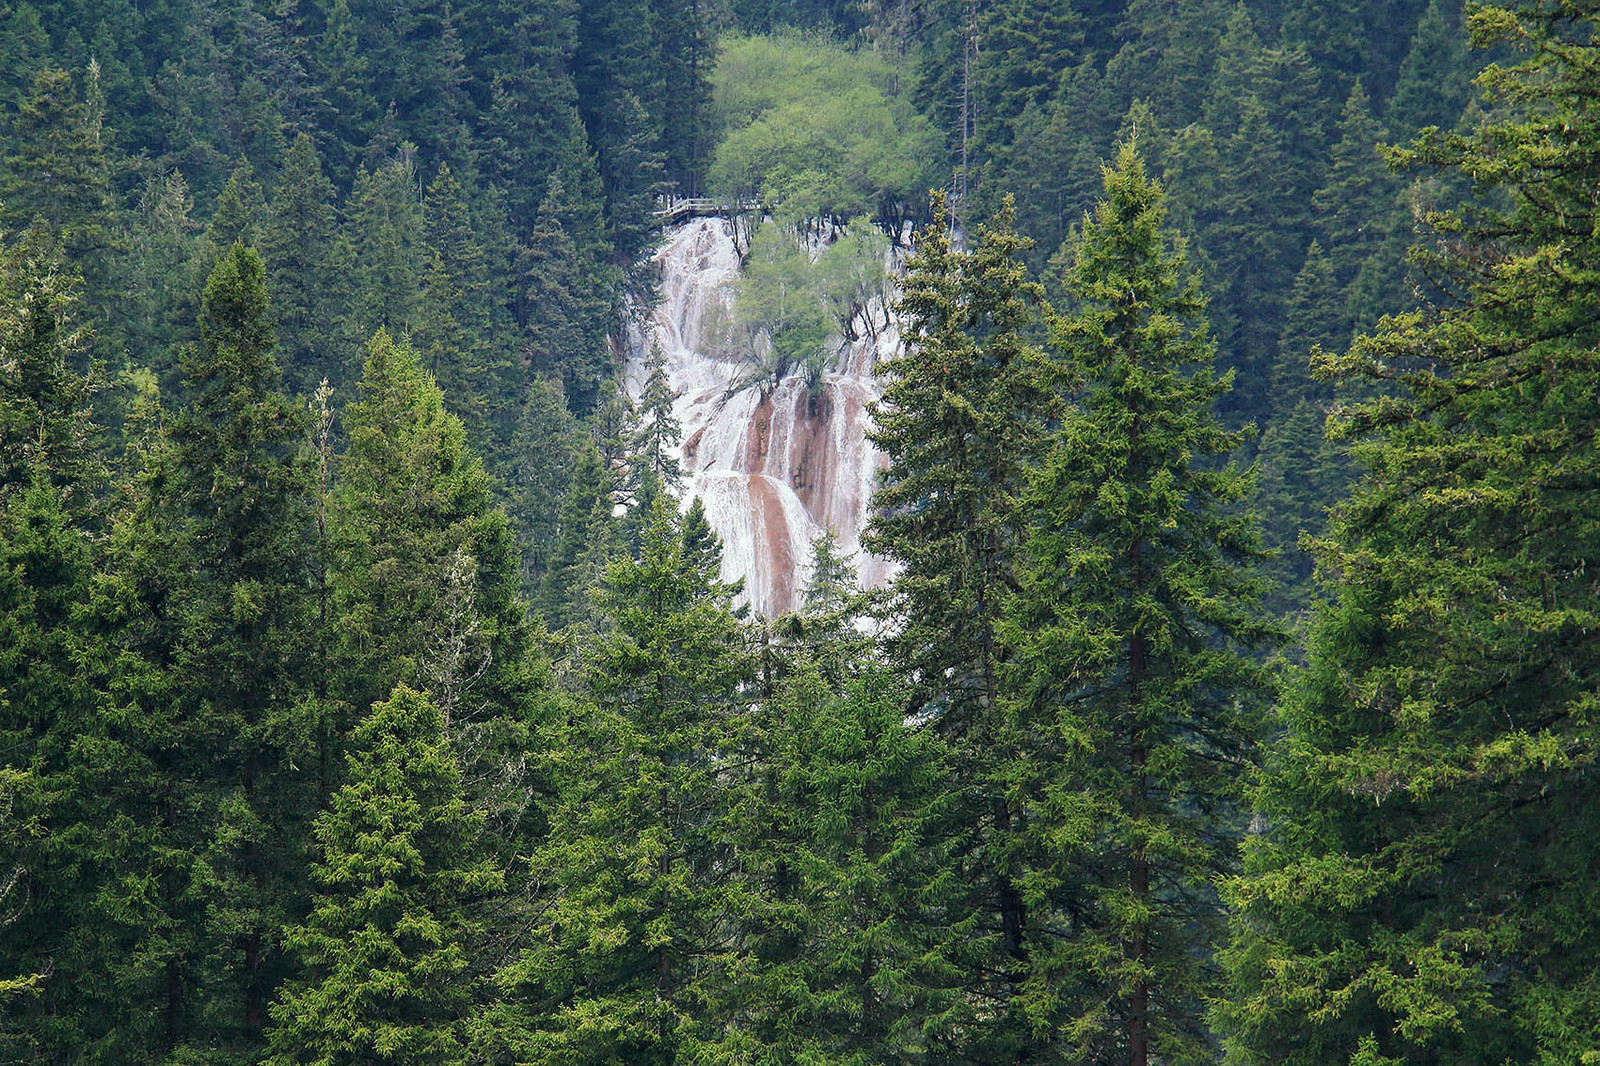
[371, 693]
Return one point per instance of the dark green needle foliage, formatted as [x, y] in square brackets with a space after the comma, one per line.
[1424, 890]
[383, 954]
[975, 817]
[962, 416]
[304, 262]
[419, 550]
[633, 941]
[853, 884]
[243, 507]
[1137, 701]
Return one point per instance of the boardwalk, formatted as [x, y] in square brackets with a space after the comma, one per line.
[676, 210]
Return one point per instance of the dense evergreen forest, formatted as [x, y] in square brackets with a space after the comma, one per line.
[367, 695]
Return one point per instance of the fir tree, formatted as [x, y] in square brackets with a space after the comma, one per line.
[583, 540]
[565, 293]
[58, 167]
[340, 69]
[455, 329]
[543, 455]
[384, 960]
[45, 429]
[960, 420]
[1435, 79]
[1356, 214]
[384, 225]
[632, 945]
[410, 498]
[1136, 696]
[299, 243]
[164, 242]
[235, 220]
[50, 666]
[244, 633]
[850, 880]
[1422, 888]
[686, 33]
[659, 434]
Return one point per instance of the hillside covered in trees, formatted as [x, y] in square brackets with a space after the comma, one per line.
[369, 695]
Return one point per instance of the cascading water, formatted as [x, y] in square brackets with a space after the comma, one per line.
[773, 470]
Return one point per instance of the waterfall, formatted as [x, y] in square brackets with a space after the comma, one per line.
[773, 472]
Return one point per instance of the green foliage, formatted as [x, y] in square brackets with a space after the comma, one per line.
[631, 947]
[58, 169]
[456, 332]
[854, 280]
[1429, 839]
[584, 540]
[659, 433]
[961, 420]
[1435, 81]
[166, 246]
[815, 131]
[423, 584]
[850, 878]
[566, 291]
[1359, 221]
[690, 839]
[384, 226]
[45, 428]
[779, 320]
[304, 258]
[544, 452]
[384, 950]
[243, 635]
[1137, 701]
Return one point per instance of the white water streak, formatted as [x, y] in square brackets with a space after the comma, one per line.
[772, 473]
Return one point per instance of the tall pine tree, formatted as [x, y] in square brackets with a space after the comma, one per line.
[1423, 888]
[1137, 700]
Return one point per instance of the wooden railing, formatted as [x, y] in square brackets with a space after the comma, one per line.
[678, 209]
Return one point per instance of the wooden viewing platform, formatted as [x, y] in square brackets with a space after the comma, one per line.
[676, 210]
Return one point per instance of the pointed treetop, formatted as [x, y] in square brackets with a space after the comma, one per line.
[233, 311]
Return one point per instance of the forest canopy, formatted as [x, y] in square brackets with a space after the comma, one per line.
[814, 129]
[372, 691]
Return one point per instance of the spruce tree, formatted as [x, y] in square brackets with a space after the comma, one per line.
[585, 537]
[384, 225]
[1357, 217]
[1435, 80]
[1424, 884]
[384, 952]
[543, 454]
[961, 418]
[237, 216]
[633, 943]
[45, 397]
[164, 240]
[300, 244]
[686, 32]
[655, 435]
[566, 294]
[58, 168]
[1302, 474]
[848, 880]
[456, 334]
[410, 500]
[51, 666]
[244, 635]
[1136, 697]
